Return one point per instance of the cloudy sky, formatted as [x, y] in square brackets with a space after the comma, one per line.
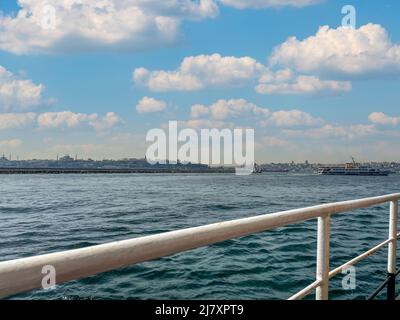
[92, 77]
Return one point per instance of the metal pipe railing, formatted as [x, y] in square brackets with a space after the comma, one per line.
[382, 286]
[361, 257]
[25, 274]
[391, 289]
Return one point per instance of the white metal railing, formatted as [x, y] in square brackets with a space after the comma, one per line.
[25, 274]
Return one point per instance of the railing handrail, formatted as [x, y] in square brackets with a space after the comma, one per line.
[25, 274]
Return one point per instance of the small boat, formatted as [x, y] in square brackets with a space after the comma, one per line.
[257, 169]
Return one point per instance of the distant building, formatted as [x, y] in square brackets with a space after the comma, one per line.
[66, 158]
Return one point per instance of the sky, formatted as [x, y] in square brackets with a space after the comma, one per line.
[92, 77]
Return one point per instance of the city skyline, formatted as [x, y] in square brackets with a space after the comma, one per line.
[313, 90]
[77, 158]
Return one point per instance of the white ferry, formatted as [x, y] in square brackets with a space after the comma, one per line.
[351, 169]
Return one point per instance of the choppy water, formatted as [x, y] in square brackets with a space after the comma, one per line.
[45, 213]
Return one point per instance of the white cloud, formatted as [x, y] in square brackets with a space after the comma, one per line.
[64, 118]
[13, 143]
[107, 122]
[318, 64]
[18, 94]
[150, 105]
[16, 120]
[233, 108]
[243, 109]
[199, 72]
[68, 119]
[272, 142]
[383, 119]
[204, 124]
[86, 25]
[243, 4]
[345, 51]
[200, 110]
[334, 131]
[59, 26]
[219, 114]
[285, 82]
[213, 71]
[293, 118]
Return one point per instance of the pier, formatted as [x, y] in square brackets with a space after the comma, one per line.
[25, 274]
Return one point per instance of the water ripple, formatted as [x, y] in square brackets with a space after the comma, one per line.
[45, 213]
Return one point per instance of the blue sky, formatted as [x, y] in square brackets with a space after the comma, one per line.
[345, 113]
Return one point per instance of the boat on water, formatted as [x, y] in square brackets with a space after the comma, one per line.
[351, 169]
[257, 169]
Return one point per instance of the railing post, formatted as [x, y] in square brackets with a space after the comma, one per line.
[391, 288]
[323, 257]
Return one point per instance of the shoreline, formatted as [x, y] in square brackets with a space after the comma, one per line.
[5, 171]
